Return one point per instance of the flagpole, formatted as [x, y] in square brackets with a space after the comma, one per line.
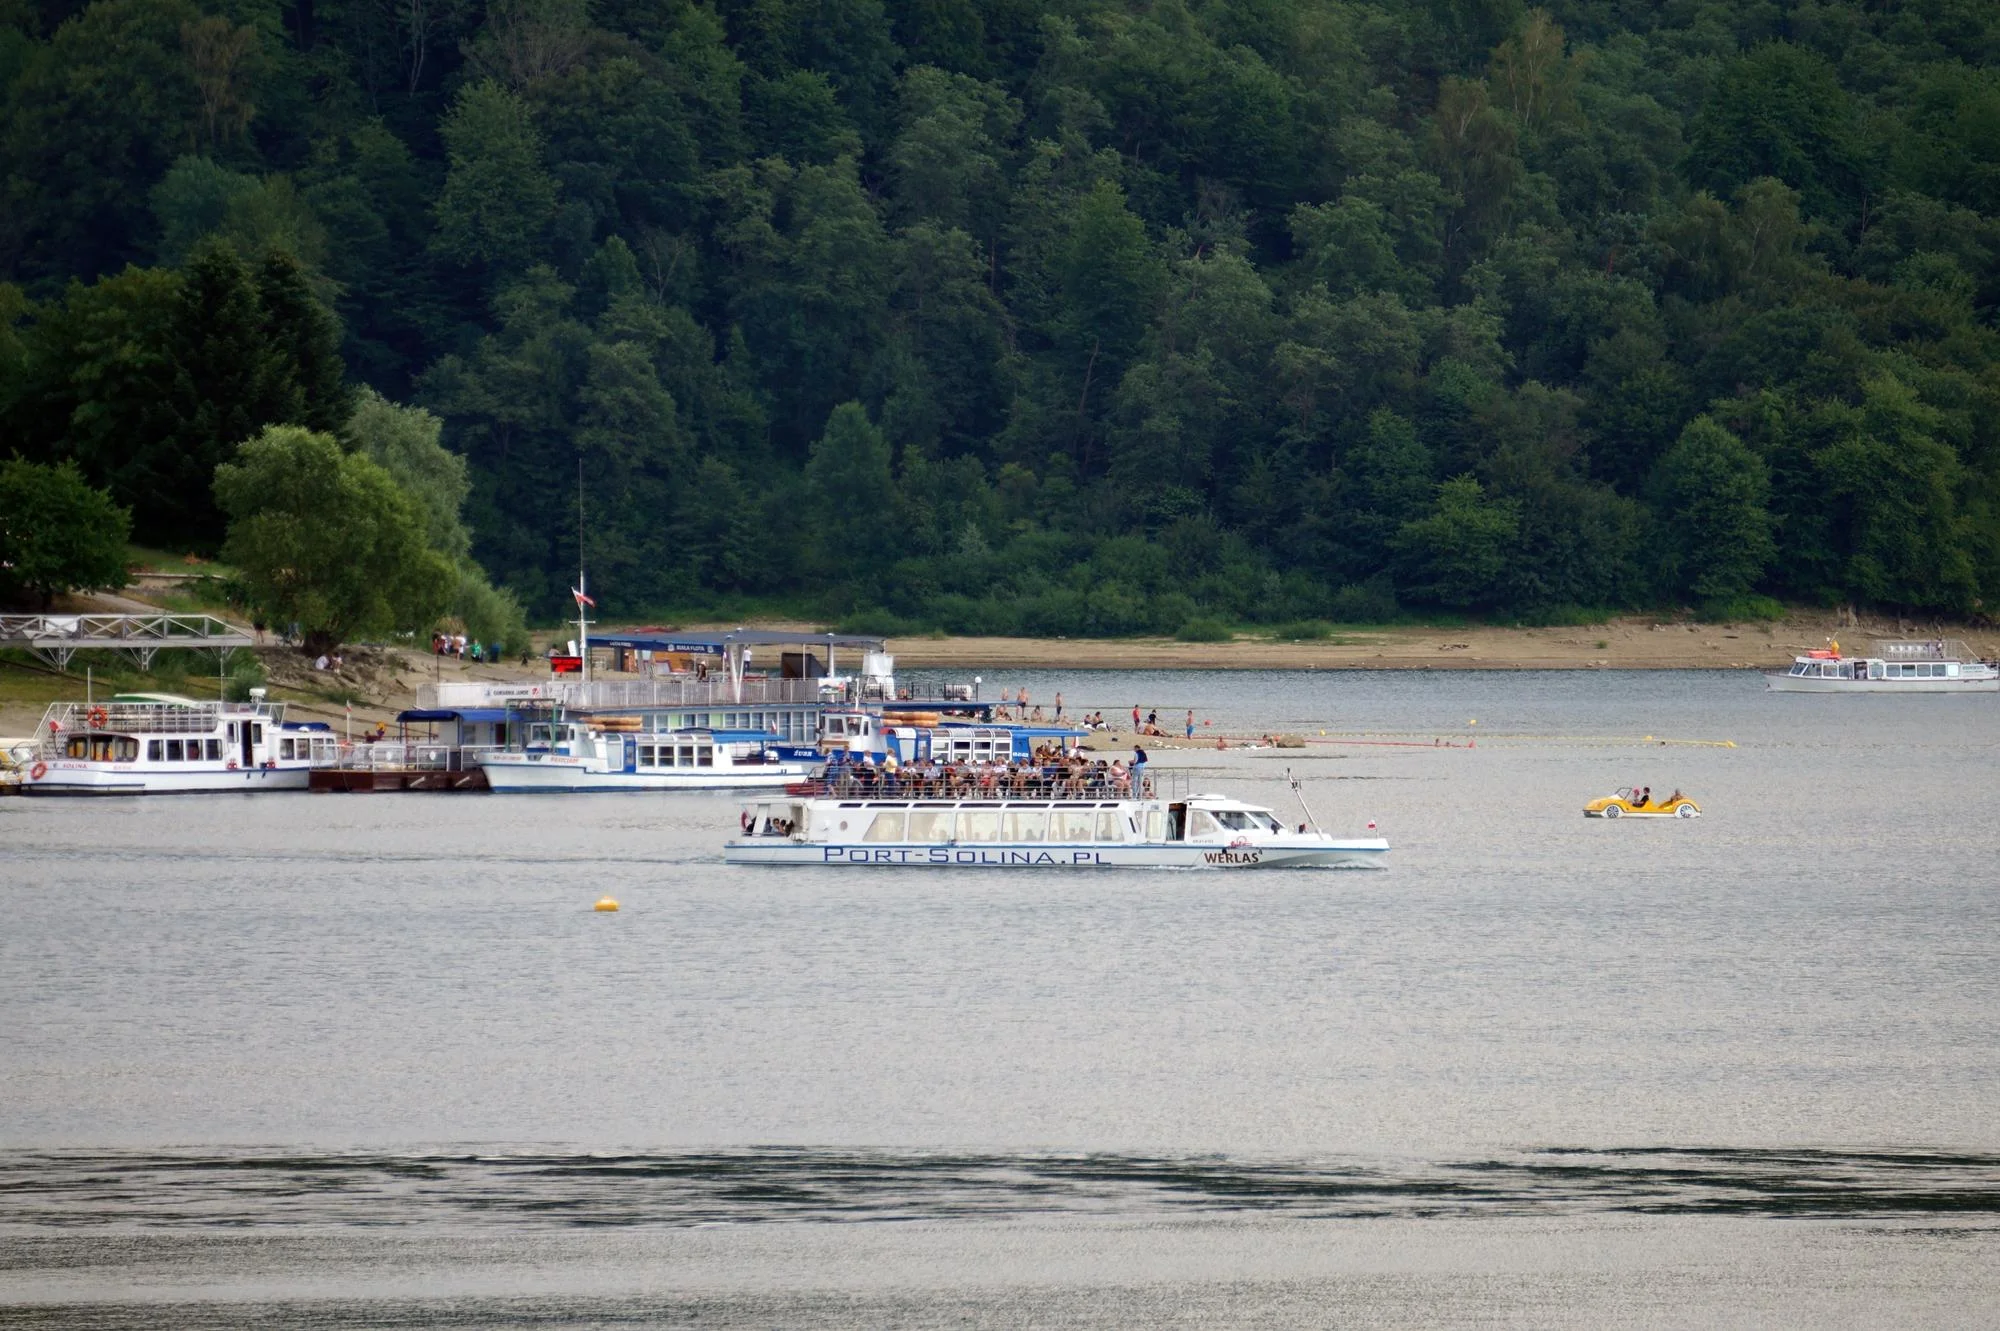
[582, 588]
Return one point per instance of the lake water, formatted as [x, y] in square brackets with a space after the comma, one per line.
[325, 1060]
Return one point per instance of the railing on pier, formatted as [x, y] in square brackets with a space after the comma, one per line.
[614, 694]
[404, 756]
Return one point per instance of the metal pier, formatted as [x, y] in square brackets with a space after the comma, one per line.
[54, 639]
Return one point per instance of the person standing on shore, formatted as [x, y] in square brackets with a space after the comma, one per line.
[1058, 704]
[1135, 718]
[1190, 728]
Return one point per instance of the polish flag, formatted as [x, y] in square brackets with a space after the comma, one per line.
[581, 599]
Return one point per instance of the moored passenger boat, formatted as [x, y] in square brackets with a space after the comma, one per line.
[594, 754]
[1053, 824]
[1934, 665]
[163, 744]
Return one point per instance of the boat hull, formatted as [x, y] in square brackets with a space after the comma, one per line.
[63, 777]
[1783, 683]
[558, 775]
[1325, 853]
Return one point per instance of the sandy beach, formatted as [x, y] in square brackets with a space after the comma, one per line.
[1632, 643]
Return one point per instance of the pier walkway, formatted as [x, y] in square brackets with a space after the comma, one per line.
[54, 639]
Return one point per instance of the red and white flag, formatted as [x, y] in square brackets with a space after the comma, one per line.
[581, 599]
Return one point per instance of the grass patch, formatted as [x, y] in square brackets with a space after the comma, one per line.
[1742, 610]
[1204, 629]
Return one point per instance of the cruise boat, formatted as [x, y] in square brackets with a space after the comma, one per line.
[163, 744]
[604, 753]
[1059, 825]
[1933, 665]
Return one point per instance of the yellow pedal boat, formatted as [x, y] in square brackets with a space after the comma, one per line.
[1629, 803]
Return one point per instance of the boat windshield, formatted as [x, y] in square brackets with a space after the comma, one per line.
[1247, 820]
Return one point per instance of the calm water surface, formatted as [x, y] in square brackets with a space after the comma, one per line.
[322, 1060]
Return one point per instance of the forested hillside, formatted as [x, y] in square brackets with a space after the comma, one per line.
[1070, 317]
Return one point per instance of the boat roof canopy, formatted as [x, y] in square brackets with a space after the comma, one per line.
[462, 715]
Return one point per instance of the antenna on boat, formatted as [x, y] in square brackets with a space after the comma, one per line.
[1300, 795]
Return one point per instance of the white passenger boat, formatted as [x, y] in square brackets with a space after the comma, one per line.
[1095, 827]
[163, 744]
[594, 754]
[1933, 665]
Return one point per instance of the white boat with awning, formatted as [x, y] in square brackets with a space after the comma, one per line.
[1932, 665]
[164, 744]
[1069, 829]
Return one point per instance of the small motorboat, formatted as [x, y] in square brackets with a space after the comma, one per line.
[1630, 803]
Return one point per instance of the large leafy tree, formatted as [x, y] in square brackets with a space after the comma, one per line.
[324, 540]
[57, 533]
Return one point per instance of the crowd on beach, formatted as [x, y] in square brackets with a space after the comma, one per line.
[1020, 709]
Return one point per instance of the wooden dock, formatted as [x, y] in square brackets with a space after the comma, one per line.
[349, 780]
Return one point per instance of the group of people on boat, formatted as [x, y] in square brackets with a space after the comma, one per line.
[1051, 774]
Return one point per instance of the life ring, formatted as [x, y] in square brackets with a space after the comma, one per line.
[98, 718]
[232, 764]
[38, 771]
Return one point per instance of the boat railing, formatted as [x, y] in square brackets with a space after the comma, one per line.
[979, 783]
[193, 718]
[1926, 649]
[403, 756]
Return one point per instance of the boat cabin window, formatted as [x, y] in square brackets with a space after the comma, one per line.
[215, 750]
[930, 825]
[979, 825]
[102, 748]
[1071, 824]
[1201, 823]
[1110, 827]
[1024, 825]
[886, 827]
[153, 750]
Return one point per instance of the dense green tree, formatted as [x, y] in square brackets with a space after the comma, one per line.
[1239, 280]
[852, 486]
[1457, 554]
[57, 534]
[1713, 494]
[405, 442]
[324, 539]
[498, 199]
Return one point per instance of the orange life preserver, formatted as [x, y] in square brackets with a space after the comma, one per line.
[38, 771]
[232, 764]
[98, 718]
